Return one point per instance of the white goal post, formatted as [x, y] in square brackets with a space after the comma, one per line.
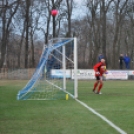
[56, 73]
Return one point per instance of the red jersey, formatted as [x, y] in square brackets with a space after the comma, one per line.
[99, 68]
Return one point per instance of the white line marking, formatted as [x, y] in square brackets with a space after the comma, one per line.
[102, 117]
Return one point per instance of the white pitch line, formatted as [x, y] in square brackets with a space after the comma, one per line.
[102, 117]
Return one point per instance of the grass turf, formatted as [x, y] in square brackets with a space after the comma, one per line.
[63, 117]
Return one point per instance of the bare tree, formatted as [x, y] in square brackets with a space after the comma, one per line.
[104, 5]
[119, 16]
[8, 10]
[69, 14]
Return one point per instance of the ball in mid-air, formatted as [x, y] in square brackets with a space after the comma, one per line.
[54, 12]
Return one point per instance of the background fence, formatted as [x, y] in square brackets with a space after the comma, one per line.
[26, 74]
[16, 74]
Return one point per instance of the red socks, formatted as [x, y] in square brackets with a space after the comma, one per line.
[100, 86]
[95, 85]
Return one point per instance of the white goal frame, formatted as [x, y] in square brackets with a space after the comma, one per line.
[33, 83]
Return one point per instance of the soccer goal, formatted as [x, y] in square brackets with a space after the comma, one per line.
[56, 74]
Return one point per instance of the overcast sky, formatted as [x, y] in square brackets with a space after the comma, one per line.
[78, 13]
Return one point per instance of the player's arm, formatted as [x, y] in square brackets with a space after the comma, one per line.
[96, 67]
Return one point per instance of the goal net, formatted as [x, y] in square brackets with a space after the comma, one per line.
[55, 77]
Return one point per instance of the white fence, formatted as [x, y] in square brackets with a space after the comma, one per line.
[89, 74]
[83, 74]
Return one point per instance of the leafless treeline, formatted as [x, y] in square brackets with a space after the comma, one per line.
[106, 26]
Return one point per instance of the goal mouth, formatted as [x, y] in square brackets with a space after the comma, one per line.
[56, 73]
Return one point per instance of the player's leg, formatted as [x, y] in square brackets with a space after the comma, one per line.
[100, 85]
[96, 83]
[127, 66]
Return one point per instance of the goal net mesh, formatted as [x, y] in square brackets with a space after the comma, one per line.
[54, 77]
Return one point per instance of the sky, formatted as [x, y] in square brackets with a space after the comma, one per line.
[78, 13]
[79, 2]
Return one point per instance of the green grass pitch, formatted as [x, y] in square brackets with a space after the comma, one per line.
[68, 116]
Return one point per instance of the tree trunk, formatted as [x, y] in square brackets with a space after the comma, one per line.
[27, 32]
